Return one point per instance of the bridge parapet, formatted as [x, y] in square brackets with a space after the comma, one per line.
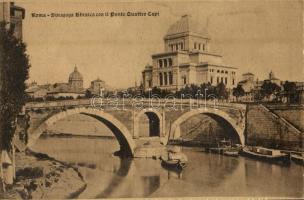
[110, 103]
[122, 115]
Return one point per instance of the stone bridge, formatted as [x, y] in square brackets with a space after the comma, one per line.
[122, 116]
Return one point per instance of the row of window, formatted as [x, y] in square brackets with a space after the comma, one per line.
[177, 46]
[199, 46]
[165, 78]
[165, 62]
[221, 71]
[221, 80]
[180, 46]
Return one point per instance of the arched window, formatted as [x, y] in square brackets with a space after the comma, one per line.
[204, 47]
[160, 62]
[194, 45]
[211, 79]
[199, 46]
[160, 79]
[182, 46]
[176, 47]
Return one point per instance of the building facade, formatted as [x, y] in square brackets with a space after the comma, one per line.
[252, 89]
[38, 91]
[97, 86]
[186, 60]
[13, 15]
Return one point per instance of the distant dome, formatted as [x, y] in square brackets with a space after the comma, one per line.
[187, 25]
[75, 75]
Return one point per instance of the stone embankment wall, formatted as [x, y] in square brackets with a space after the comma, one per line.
[294, 114]
[266, 128]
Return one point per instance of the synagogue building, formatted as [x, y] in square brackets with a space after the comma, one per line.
[187, 59]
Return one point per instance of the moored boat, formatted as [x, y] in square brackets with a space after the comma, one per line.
[231, 152]
[225, 147]
[299, 159]
[175, 160]
[270, 155]
[173, 164]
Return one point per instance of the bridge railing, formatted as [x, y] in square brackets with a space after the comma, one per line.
[154, 103]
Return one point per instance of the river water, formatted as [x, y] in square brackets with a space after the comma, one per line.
[205, 175]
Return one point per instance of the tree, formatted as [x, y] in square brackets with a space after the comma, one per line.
[269, 88]
[88, 93]
[238, 92]
[221, 91]
[290, 90]
[14, 66]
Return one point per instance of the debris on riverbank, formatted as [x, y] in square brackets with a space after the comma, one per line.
[39, 176]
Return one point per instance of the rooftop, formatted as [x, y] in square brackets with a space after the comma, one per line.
[187, 25]
[248, 73]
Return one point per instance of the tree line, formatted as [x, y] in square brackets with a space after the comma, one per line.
[267, 89]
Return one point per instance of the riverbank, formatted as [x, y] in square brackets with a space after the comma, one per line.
[39, 176]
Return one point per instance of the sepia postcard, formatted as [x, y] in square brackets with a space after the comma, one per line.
[151, 99]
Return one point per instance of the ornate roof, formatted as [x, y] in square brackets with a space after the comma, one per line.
[75, 75]
[187, 25]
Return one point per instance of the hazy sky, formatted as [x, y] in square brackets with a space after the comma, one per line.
[255, 36]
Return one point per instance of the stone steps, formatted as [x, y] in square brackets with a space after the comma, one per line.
[264, 125]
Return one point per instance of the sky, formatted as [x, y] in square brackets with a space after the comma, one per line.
[253, 35]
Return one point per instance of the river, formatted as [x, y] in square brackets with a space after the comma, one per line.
[205, 175]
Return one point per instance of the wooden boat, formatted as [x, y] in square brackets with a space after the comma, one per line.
[221, 146]
[297, 159]
[173, 164]
[270, 155]
[231, 152]
[225, 147]
[174, 161]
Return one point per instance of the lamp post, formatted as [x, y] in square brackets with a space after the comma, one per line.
[149, 97]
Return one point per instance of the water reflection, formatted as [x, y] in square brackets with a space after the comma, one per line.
[206, 174]
[174, 174]
[116, 180]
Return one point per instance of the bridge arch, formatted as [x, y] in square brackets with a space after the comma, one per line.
[213, 113]
[156, 122]
[126, 142]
